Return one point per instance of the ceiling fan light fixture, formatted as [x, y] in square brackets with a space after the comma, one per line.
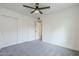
[36, 11]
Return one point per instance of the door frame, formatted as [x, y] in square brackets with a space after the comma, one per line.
[40, 21]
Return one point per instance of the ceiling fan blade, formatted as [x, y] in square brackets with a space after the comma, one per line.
[33, 11]
[40, 12]
[44, 8]
[28, 6]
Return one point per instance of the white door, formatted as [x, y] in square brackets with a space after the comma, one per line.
[38, 30]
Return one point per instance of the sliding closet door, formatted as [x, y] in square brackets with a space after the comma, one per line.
[22, 30]
[8, 29]
[26, 30]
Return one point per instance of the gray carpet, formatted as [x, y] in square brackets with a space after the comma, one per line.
[36, 48]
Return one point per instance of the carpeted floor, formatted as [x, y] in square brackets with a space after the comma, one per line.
[37, 48]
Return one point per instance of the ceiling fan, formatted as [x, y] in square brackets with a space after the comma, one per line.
[37, 9]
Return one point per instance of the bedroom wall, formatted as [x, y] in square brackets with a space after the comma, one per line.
[15, 28]
[62, 28]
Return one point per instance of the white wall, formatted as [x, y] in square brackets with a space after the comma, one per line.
[62, 28]
[15, 28]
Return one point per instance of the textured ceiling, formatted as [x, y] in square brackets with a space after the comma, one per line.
[54, 7]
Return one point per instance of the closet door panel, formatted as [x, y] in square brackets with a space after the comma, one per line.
[1, 33]
[19, 30]
[9, 30]
[25, 28]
